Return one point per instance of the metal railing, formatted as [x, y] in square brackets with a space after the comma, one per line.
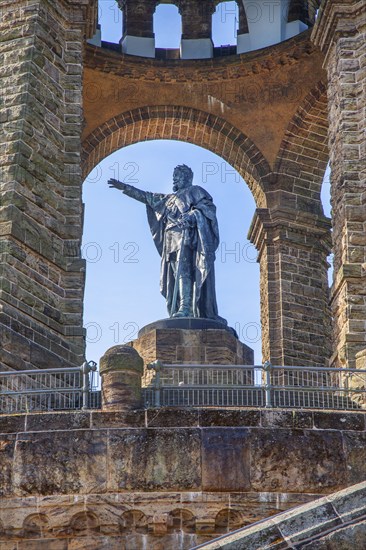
[190, 386]
[49, 389]
[255, 386]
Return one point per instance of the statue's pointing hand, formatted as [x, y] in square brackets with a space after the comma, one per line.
[115, 184]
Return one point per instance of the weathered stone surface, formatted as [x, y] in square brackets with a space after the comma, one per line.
[151, 459]
[173, 418]
[53, 462]
[296, 527]
[41, 218]
[44, 422]
[7, 446]
[355, 451]
[225, 459]
[185, 346]
[340, 33]
[121, 369]
[318, 466]
[217, 417]
[287, 419]
[339, 421]
[353, 536]
[118, 419]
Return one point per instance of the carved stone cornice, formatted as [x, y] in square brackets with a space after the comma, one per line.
[337, 18]
[262, 61]
[282, 224]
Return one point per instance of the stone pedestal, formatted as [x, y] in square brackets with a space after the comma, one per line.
[191, 341]
[121, 369]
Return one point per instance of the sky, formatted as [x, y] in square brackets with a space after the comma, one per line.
[123, 266]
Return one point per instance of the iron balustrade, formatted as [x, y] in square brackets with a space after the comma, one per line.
[49, 389]
[190, 386]
[255, 386]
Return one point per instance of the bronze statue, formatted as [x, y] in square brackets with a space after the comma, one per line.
[185, 231]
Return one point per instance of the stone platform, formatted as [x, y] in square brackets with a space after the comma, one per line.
[168, 479]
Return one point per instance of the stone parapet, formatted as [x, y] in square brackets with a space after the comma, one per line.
[102, 479]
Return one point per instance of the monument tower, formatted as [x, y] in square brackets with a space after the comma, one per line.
[286, 99]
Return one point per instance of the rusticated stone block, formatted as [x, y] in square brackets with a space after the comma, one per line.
[158, 459]
[216, 417]
[118, 419]
[292, 459]
[225, 459]
[355, 451]
[192, 346]
[48, 544]
[172, 418]
[53, 462]
[121, 370]
[7, 447]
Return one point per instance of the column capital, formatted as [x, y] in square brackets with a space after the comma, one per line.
[281, 224]
[337, 18]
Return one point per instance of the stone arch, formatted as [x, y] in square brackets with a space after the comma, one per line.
[134, 521]
[304, 10]
[241, 23]
[303, 155]
[183, 520]
[182, 124]
[228, 520]
[35, 526]
[84, 523]
[158, 7]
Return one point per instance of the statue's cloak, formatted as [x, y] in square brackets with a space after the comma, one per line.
[202, 237]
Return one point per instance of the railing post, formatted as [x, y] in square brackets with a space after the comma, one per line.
[86, 369]
[156, 366]
[268, 385]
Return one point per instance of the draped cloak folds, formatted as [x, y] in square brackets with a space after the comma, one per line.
[202, 237]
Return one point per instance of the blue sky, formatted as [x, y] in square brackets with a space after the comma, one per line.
[123, 267]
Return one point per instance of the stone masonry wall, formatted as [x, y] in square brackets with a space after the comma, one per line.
[41, 273]
[166, 479]
[341, 33]
[294, 287]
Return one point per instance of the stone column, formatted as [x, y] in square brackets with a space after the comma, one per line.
[138, 27]
[340, 32]
[196, 29]
[293, 249]
[121, 369]
[243, 39]
[41, 271]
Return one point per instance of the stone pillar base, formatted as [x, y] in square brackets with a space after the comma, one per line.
[179, 341]
[243, 43]
[196, 48]
[138, 45]
[121, 369]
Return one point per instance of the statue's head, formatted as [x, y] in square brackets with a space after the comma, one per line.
[182, 177]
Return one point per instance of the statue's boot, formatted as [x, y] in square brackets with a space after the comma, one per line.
[186, 297]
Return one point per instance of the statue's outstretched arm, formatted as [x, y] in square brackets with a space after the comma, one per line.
[129, 190]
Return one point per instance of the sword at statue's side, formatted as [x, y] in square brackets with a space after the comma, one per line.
[179, 269]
